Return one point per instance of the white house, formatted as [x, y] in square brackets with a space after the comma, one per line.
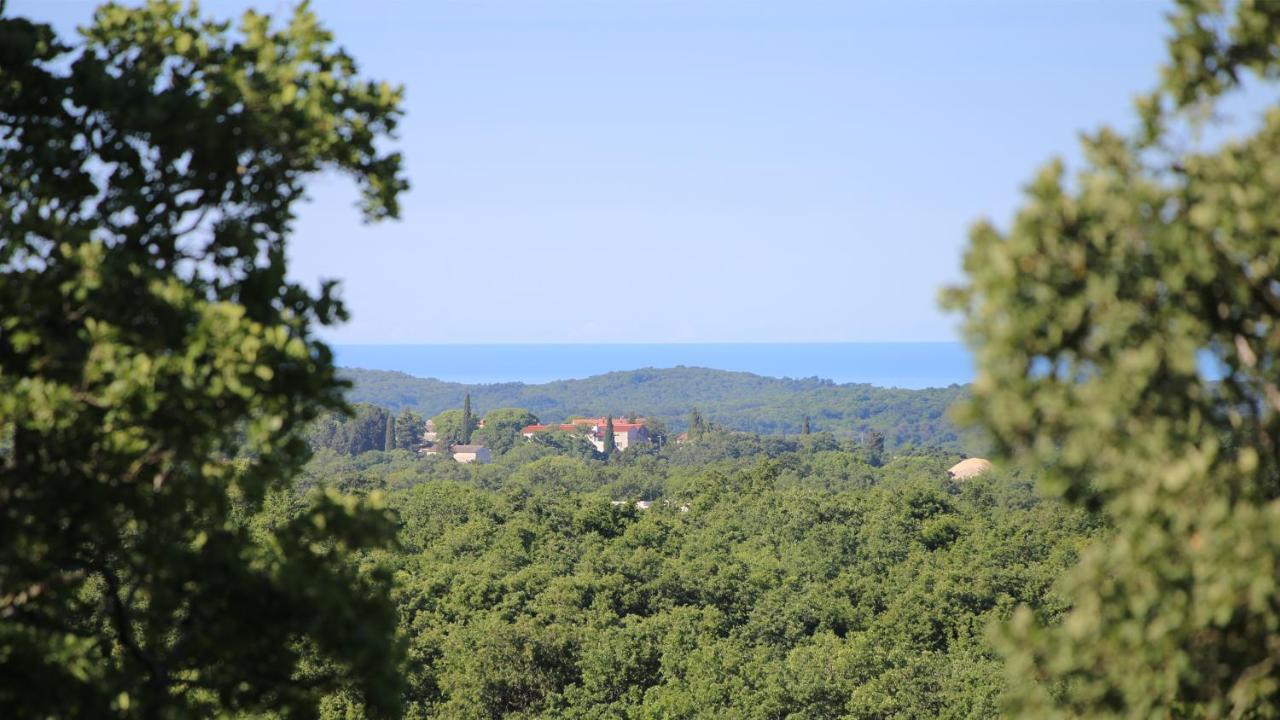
[471, 454]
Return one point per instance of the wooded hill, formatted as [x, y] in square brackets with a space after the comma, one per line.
[735, 400]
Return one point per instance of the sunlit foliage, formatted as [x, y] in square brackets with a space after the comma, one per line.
[156, 368]
[1127, 329]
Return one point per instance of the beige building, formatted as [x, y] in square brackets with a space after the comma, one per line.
[471, 454]
[625, 434]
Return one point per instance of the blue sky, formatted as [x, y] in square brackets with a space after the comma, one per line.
[699, 170]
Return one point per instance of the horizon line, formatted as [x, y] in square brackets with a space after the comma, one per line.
[663, 342]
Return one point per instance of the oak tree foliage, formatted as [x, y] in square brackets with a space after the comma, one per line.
[1127, 332]
[157, 367]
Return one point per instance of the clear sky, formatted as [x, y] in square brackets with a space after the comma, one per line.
[699, 170]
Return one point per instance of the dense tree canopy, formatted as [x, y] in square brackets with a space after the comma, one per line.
[452, 426]
[502, 428]
[354, 430]
[1127, 328]
[803, 584]
[156, 368]
[409, 427]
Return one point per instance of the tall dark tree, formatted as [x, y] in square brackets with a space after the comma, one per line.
[158, 369]
[610, 445]
[356, 430]
[657, 431]
[448, 425]
[389, 437]
[502, 428]
[804, 429]
[467, 420]
[697, 425]
[873, 446]
[409, 430]
[365, 431]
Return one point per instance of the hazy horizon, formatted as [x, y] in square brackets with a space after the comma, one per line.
[901, 364]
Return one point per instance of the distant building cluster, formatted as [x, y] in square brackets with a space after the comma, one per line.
[625, 432]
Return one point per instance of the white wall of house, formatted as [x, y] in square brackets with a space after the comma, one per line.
[622, 439]
[625, 438]
[480, 455]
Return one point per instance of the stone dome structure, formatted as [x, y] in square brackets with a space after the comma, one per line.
[969, 468]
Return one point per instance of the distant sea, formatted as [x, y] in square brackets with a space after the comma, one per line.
[906, 365]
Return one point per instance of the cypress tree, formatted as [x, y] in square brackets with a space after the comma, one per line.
[695, 424]
[804, 430]
[389, 439]
[609, 445]
[466, 419]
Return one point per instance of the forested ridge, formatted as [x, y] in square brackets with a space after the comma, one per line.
[737, 400]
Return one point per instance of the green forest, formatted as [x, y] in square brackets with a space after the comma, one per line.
[807, 583]
[729, 575]
[200, 517]
[736, 400]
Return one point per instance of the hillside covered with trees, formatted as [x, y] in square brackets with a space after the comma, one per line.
[801, 582]
[736, 400]
[728, 575]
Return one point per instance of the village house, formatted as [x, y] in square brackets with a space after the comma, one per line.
[471, 454]
[528, 431]
[625, 433]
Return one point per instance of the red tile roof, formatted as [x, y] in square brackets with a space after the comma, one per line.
[585, 423]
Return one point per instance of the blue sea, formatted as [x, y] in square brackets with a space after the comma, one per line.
[907, 365]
